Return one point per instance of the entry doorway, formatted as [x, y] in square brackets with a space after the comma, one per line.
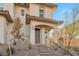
[37, 36]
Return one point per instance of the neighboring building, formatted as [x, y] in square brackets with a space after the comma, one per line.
[36, 20]
[70, 31]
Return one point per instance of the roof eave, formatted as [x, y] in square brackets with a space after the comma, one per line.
[7, 15]
[43, 19]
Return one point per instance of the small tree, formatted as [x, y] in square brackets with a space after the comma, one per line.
[16, 29]
[16, 32]
[71, 28]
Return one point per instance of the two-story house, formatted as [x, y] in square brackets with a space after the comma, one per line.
[36, 20]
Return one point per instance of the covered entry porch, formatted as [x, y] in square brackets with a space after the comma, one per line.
[39, 32]
[39, 28]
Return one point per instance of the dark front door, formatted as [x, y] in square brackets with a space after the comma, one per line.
[37, 36]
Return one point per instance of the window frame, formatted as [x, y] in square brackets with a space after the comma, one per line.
[22, 12]
[1, 6]
[41, 12]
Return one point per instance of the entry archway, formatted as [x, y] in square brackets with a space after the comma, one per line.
[41, 33]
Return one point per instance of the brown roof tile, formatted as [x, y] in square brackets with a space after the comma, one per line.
[7, 15]
[43, 19]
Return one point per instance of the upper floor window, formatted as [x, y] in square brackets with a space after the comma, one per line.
[41, 12]
[22, 12]
[1, 6]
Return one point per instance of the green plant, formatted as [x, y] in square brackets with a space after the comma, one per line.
[8, 51]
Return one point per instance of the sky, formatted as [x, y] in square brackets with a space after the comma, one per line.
[58, 14]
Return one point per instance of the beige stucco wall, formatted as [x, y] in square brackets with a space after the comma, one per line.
[10, 8]
[48, 12]
[2, 29]
[17, 13]
[5, 30]
[28, 31]
[43, 40]
[34, 10]
[9, 29]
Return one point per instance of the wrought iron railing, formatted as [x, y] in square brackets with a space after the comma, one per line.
[62, 48]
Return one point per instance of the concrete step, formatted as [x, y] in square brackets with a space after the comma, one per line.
[52, 51]
[44, 51]
[45, 54]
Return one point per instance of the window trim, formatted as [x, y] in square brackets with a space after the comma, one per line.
[22, 12]
[41, 12]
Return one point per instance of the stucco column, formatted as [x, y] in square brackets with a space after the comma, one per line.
[32, 37]
[56, 35]
[3, 36]
[43, 36]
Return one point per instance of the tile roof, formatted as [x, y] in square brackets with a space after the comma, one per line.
[43, 19]
[7, 15]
